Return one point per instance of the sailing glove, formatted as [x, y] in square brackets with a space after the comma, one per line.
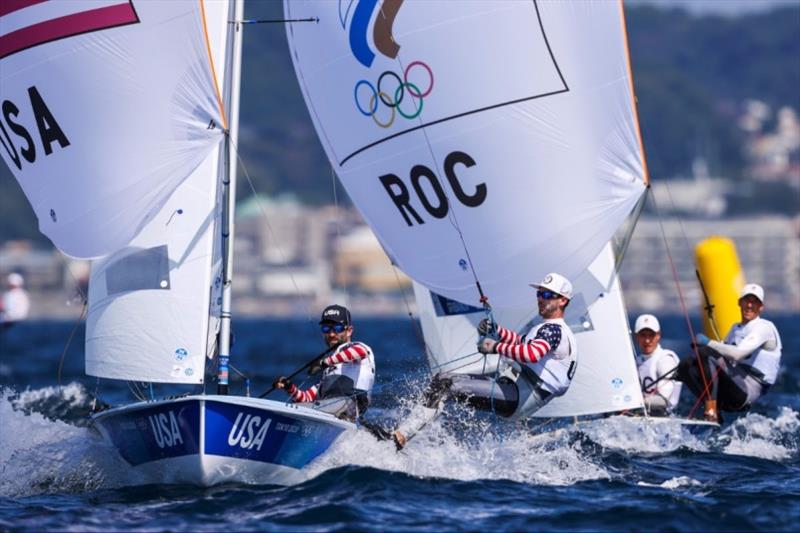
[282, 383]
[701, 339]
[485, 326]
[318, 366]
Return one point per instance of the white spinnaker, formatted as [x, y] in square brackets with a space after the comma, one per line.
[525, 151]
[606, 379]
[112, 104]
[149, 302]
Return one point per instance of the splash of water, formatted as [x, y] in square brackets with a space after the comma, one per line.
[41, 454]
[759, 436]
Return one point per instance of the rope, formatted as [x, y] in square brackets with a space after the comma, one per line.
[263, 211]
[415, 324]
[69, 340]
[680, 291]
[338, 219]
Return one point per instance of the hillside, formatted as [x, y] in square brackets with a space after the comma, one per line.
[691, 74]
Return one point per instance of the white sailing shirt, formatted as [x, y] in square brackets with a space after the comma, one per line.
[652, 367]
[757, 344]
[15, 305]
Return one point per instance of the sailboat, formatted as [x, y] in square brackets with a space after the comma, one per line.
[489, 143]
[120, 123]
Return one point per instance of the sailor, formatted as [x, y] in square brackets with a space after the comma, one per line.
[657, 367]
[348, 371]
[741, 368]
[540, 365]
[15, 304]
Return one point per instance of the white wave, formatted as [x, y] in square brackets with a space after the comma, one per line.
[40, 455]
[759, 436]
[642, 435]
[673, 483]
[545, 459]
[74, 394]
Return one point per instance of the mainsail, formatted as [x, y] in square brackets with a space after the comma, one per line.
[108, 106]
[154, 305]
[481, 140]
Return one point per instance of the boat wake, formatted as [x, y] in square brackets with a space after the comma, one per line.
[46, 447]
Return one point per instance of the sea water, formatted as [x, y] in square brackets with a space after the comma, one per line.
[462, 472]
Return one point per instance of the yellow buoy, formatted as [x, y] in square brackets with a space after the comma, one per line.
[722, 278]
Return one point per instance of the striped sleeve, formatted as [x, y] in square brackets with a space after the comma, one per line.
[350, 353]
[530, 352]
[301, 396]
[508, 336]
[548, 337]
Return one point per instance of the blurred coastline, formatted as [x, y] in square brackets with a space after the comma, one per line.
[303, 258]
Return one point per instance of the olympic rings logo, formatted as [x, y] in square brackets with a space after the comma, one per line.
[378, 94]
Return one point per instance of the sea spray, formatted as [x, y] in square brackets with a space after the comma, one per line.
[40, 454]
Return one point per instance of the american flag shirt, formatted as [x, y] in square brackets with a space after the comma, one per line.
[352, 359]
[549, 350]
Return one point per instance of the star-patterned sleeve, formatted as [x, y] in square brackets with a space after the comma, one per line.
[547, 339]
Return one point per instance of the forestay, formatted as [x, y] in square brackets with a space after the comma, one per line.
[485, 139]
[606, 379]
[150, 302]
[107, 107]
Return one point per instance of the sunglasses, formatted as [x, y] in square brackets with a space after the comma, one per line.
[337, 328]
[547, 295]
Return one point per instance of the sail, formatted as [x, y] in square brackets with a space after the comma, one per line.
[150, 302]
[485, 140]
[606, 379]
[108, 106]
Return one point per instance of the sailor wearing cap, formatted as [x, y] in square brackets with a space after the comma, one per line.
[547, 359]
[656, 366]
[747, 361]
[15, 304]
[348, 373]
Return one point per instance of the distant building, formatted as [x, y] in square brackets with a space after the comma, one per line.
[768, 249]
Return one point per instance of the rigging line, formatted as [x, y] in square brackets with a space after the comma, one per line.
[338, 220]
[451, 211]
[712, 321]
[69, 341]
[263, 211]
[709, 307]
[626, 239]
[273, 21]
[704, 393]
[415, 324]
[680, 291]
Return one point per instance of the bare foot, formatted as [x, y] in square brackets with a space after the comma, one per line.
[399, 440]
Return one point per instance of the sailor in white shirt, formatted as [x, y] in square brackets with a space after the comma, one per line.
[545, 362]
[656, 368]
[15, 304]
[747, 361]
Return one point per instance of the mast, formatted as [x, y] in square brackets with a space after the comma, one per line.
[231, 83]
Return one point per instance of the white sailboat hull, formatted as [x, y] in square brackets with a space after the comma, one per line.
[207, 440]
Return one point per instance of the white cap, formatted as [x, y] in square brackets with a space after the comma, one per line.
[754, 289]
[15, 280]
[646, 322]
[556, 283]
